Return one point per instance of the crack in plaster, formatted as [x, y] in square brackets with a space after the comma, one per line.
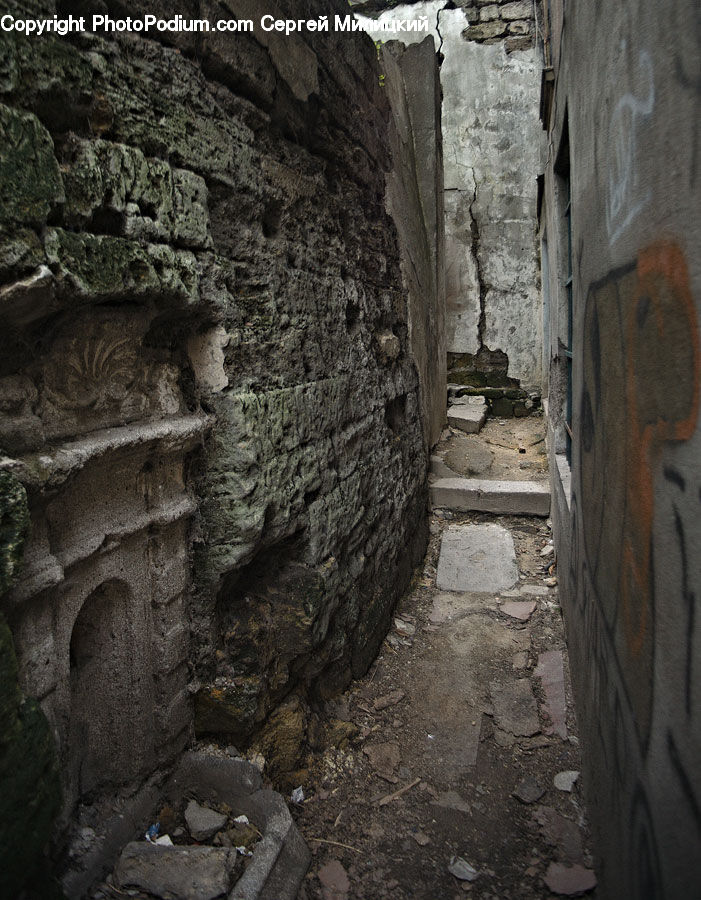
[474, 250]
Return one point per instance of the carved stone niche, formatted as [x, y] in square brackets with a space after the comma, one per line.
[95, 373]
[98, 615]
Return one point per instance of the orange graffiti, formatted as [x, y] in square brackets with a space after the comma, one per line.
[662, 398]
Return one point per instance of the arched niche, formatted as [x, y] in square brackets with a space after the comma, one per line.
[111, 691]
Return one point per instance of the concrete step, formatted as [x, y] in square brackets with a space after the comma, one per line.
[530, 498]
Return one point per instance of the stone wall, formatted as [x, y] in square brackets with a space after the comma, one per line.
[492, 144]
[206, 382]
[31, 787]
[415, 198]
[510, 21]
[624, 133]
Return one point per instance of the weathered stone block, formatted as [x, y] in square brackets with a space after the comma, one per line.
[489, 13]
[513, 44]
[100, 267]
[485, 31]
[477, 558]
[30, 181]
[521, 9]
[519, 28]
[502, 407]
[468, 417]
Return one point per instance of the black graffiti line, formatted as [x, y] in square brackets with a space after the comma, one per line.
[690, 603]
[678, 766]
[675, 477]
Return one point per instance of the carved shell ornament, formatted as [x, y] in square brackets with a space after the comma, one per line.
[98, 366]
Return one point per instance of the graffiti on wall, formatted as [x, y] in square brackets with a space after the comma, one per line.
[624, 197]
[635, 512]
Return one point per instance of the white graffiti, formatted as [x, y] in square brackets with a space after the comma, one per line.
[624, 200]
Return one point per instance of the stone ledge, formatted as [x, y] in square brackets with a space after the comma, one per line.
[502, 497]
[52, 467]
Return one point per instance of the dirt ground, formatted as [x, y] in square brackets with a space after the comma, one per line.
[423, 725]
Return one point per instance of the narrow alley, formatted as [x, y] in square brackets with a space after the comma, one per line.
[460, 746]
[350, 450]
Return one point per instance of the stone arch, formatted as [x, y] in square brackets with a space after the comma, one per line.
[110, 692]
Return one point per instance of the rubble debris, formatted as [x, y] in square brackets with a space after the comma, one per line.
[519, 609]
[202, 822]
[334, 880]
[452, 800]
[515, 708]
[388, 700]
[404, 628]
[570, 881]
[462, 869]
[550, 670]
[178, 873]
[561, 833]
[528, 790]
[383, 801]
[565, 781]
[384, 758]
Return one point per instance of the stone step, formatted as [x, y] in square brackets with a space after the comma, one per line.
[530, 498]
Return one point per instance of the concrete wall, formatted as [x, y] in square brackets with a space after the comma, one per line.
[628, 531]
[415, 201]
[206, 383]
[492, 142]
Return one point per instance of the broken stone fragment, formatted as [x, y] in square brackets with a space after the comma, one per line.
[406, 629]
[468, 417]
[561, 833]
[334, 880]
[452, 800]
[176, 873]
[390, 699]
[528, 790]
[462, 869]
[203, 823]
[384, 758]
[521, 610]
[565, 781]
[569, 881]
[550, 670]
[515, 709]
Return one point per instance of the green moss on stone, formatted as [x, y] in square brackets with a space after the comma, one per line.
[100, 267]
[14, 526]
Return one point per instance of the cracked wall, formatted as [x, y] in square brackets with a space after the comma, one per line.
[207, 384]
[491, 143]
